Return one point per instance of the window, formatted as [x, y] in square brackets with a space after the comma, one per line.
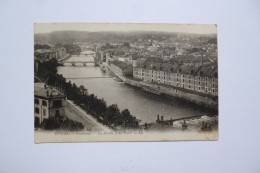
[199, 82]
[176, 91]
[199, 78]
[177, 79]
[213, 80]
[182, 80]
[183, 76]
[206, 90]
[183, 85]
[189, 86]
[57, 113]
[206, 84]
[189, 81]
[44, 112]
[199, 88]
[57, 103]
[44, 103]
[37, 110]
[213, 90]
[206, 79]
[177, 84]
[213, 85]
[36, 101]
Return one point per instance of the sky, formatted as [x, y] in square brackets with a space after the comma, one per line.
[96, 27]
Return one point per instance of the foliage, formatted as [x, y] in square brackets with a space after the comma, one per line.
[41, 46]
[57, 123]
[72, 49]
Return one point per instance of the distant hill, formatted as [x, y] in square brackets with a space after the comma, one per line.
[68, 37]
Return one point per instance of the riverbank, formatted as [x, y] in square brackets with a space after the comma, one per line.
[200, 99]
[74, 112]
[109, 115]
[193, 124]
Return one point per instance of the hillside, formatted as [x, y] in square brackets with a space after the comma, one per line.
[67, 37]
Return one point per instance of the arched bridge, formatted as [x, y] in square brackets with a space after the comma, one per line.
[73, 63]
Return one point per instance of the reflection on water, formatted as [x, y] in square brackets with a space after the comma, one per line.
[143, 105]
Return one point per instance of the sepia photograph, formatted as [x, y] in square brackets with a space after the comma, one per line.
[97, 82]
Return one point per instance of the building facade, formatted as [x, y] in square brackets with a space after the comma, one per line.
[202, 79]
[48, 102]
[121, 68]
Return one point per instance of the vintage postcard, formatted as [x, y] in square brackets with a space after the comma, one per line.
[109, 82]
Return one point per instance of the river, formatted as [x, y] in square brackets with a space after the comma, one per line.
[145, 106]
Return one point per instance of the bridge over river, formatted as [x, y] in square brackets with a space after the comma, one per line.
[84, 58]
[74, 63]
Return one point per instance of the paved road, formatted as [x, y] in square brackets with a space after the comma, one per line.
[74, 112]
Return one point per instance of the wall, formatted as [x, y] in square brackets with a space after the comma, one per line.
[211, 102]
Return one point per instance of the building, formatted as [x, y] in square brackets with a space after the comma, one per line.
[202, 79]
[60, 52]
[48, 102]
[121, 68]
[44, 54]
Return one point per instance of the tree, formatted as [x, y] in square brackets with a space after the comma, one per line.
[126, 117]
[83, 90]
[113, 115]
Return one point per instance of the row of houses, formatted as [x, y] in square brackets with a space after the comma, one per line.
[202, 79]
[46, 54]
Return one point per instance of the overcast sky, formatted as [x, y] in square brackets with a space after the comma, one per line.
[187, 28]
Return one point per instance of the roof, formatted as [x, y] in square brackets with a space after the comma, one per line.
[42, 90]
[120, 64]
[208, 71]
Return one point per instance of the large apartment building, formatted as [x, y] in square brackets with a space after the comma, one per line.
[203, 79]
